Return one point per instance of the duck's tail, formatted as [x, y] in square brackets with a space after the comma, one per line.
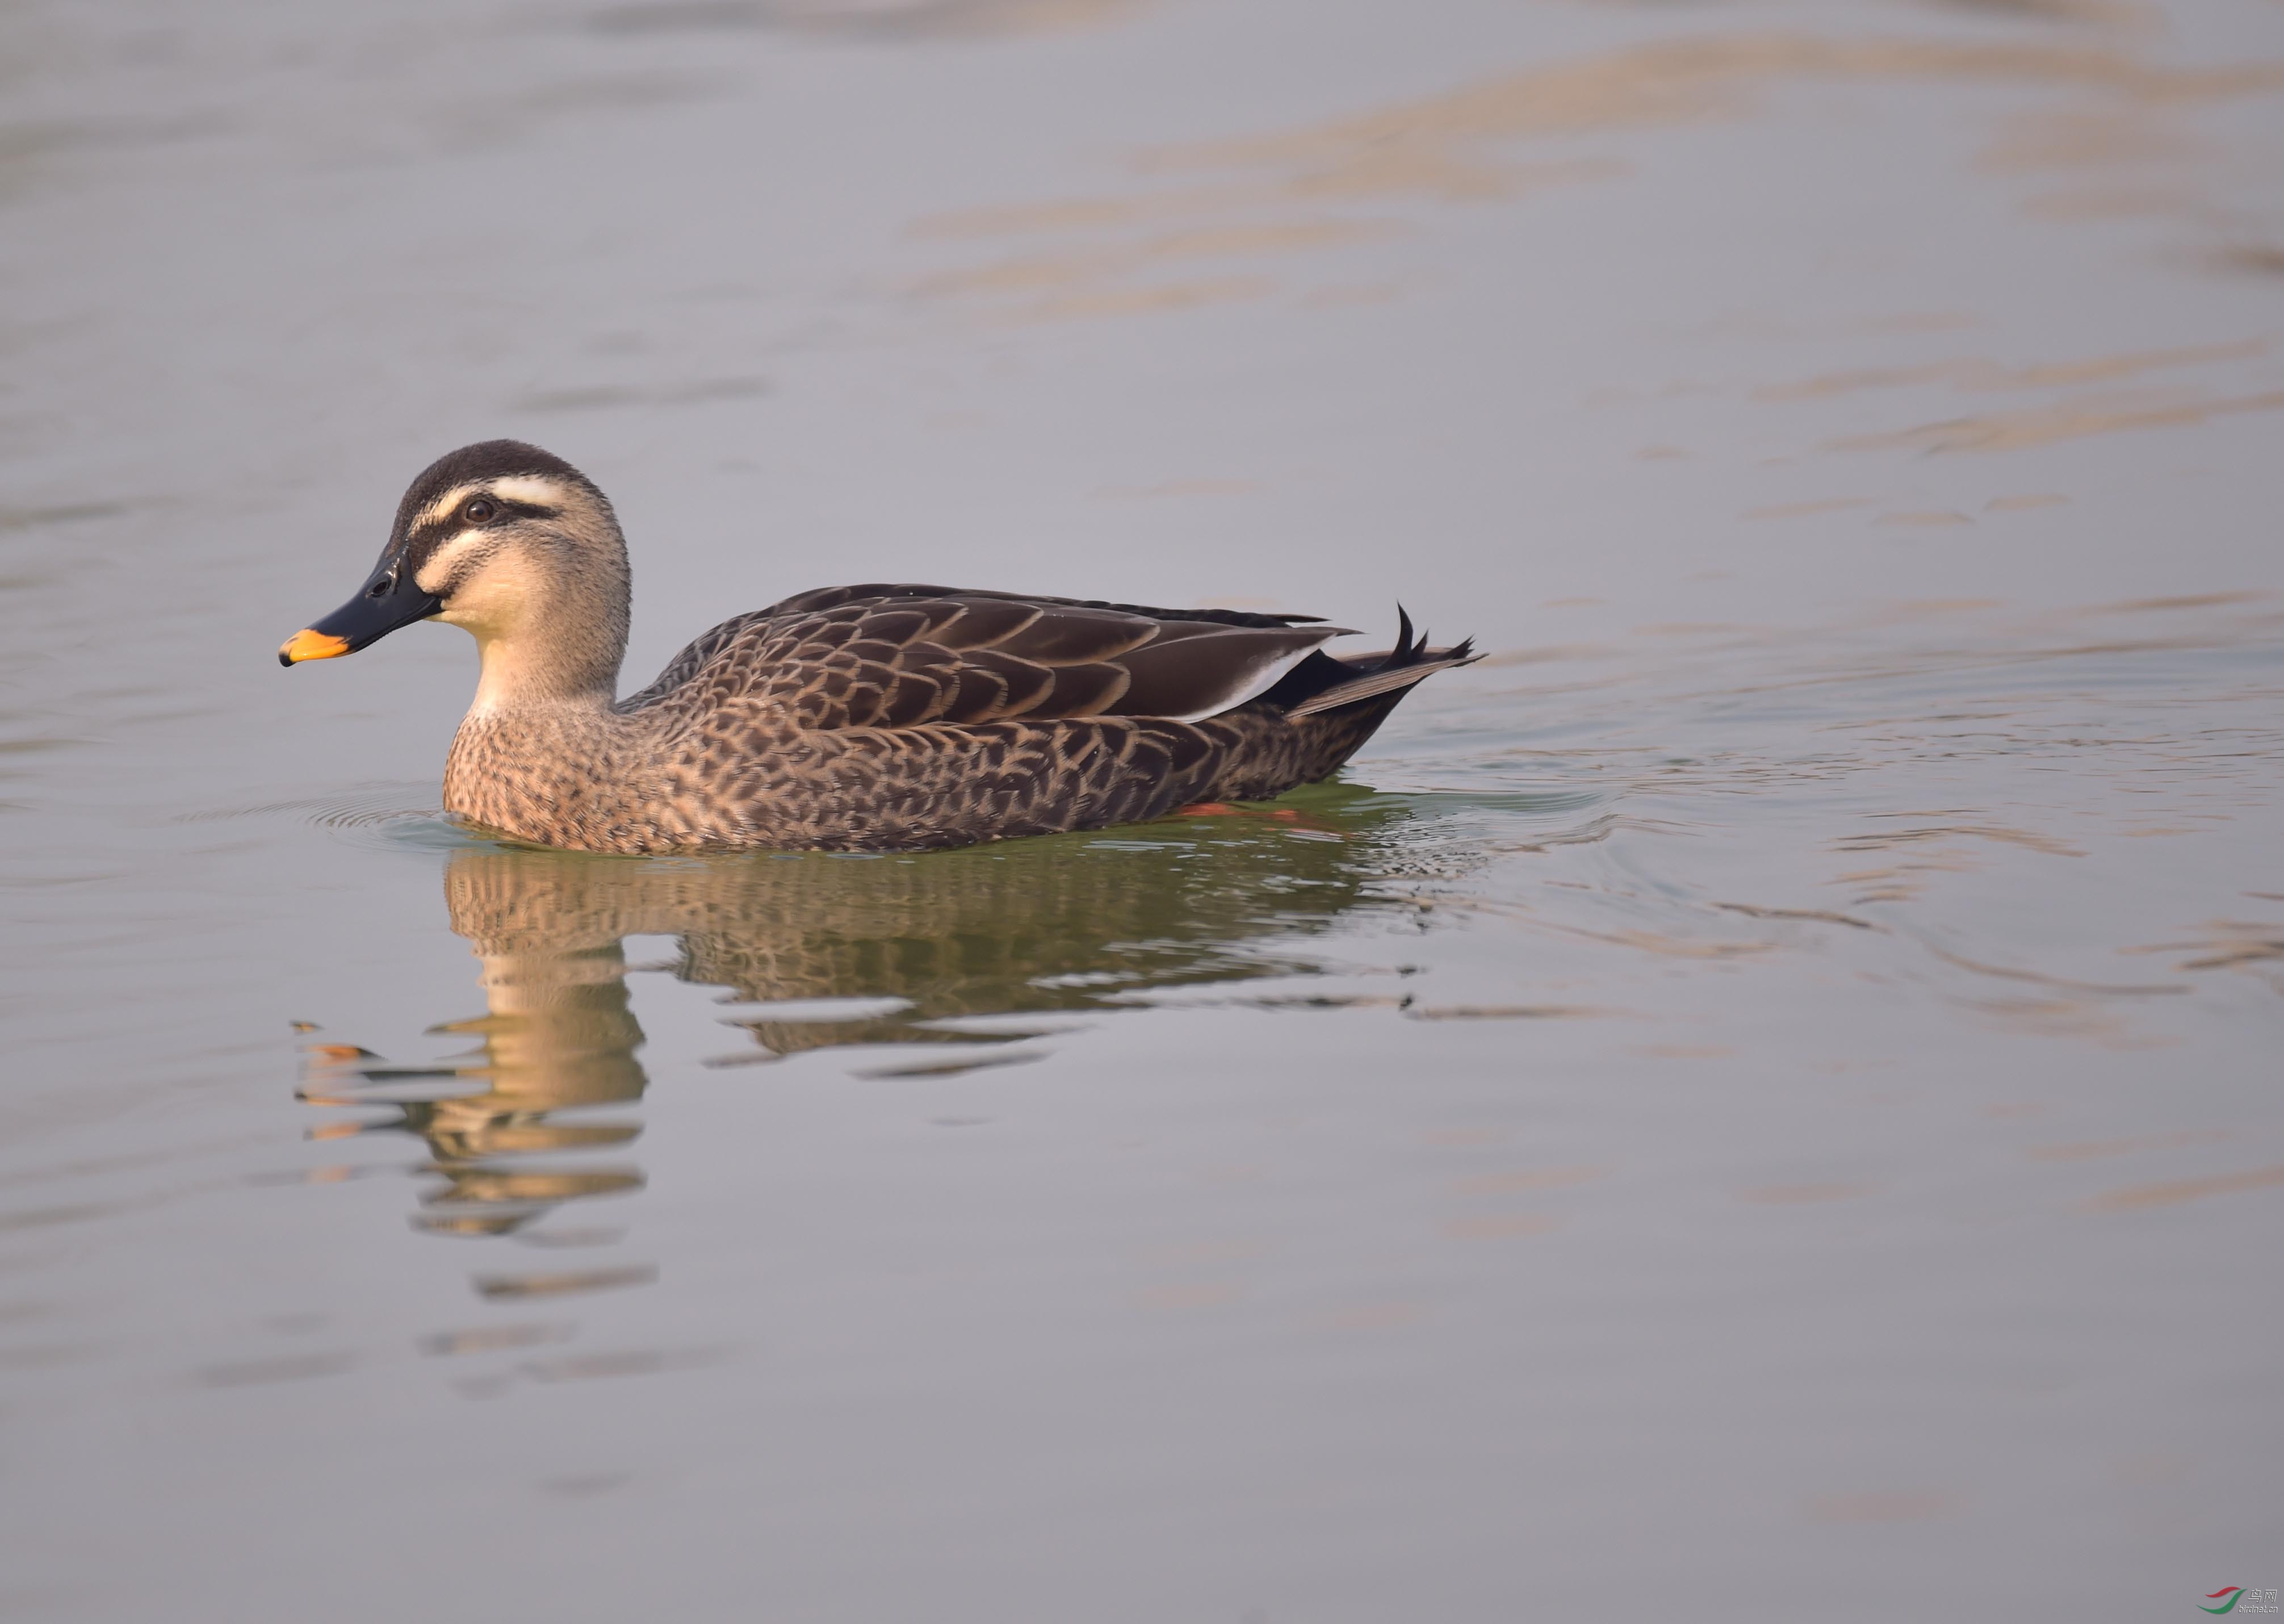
[1321, 710]
[1326, 683]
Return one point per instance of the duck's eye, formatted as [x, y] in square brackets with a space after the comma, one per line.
[479, 511]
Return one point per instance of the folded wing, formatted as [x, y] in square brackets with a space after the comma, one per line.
[894, 656]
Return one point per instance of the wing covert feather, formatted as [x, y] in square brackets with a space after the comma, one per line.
[908, 656]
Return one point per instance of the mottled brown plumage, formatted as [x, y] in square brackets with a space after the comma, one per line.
[869, 718]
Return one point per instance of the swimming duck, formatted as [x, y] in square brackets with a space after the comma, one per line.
[864, 718]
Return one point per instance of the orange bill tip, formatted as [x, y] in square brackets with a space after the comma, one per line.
[311, 646]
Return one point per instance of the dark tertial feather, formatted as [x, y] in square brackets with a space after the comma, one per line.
[1061, 636]
[1198, 675]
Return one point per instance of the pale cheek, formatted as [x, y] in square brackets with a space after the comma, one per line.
[482, 606]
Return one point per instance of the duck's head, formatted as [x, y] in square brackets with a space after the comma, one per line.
[508, 540]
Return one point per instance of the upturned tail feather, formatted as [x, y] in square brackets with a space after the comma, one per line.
[1323, 682]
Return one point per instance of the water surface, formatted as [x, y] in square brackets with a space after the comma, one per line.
[1756, 1100]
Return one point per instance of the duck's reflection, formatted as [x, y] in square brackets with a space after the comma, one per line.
[559, 1035]
[1031, 927]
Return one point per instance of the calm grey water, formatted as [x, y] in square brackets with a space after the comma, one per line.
[1759, 1101]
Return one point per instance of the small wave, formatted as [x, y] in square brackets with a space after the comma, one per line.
[396, 816]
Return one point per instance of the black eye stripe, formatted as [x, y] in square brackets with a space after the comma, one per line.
[421, 545]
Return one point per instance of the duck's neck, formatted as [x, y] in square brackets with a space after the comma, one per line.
[572, 666]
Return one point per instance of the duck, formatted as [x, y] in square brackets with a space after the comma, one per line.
[877, 718]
